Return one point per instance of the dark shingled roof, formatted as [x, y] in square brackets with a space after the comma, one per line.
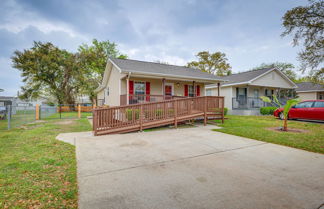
[309, 86]
[127, 65]
[245, 76]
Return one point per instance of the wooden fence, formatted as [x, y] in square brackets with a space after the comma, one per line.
[128, 118]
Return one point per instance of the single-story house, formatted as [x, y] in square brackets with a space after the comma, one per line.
[128, 81]
[310, 91]
[242, 91]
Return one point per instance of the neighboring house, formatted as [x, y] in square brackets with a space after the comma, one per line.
[310, 91]
[130, 81]
[243, 90]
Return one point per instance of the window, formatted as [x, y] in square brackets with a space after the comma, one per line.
[304, 105]
[139, 88]
[256, 93]
[320, 95]
[319, 104]
[208, 92]
[191, 92]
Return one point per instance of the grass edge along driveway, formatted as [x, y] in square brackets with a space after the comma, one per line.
[255, 127]
[36, 170]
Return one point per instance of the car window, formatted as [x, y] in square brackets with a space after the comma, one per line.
[304, 105]
[319, 104]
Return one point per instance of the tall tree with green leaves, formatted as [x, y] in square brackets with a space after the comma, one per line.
[93, 60]
[306, 24]
[287, 68]
[215, 63]
[46, 69]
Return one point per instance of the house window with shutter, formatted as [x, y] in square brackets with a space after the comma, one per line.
[139, 88]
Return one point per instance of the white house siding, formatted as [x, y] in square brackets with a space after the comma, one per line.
[100, 96]
[156, 86]
[307, 95]
[272, 79]
[113, 98]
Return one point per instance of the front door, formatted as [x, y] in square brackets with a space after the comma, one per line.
[168, 91]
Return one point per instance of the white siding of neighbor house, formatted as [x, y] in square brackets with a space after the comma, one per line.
[227, 92]
[273, 79]
[230, 91]
[307, 95]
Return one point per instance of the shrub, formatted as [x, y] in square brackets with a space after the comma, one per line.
[225, 110]
[129, 114]
[267, 110]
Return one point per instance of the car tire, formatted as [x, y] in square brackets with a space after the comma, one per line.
[281, 116]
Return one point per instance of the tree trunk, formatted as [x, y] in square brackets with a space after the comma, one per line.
[285, 128]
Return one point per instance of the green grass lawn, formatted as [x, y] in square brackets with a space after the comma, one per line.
[255, 127]
[36, 170]
[67, 115]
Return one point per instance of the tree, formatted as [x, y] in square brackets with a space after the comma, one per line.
[215, 63]
[47, 69]
[1, 90]
[286, 68]
[306, 23]
[93, 60]
[286, 107]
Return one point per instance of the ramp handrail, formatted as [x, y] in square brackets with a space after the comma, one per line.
[127, 118]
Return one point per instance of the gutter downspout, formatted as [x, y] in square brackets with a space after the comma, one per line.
[127, 88]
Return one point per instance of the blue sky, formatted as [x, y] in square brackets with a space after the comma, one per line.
[173, 31]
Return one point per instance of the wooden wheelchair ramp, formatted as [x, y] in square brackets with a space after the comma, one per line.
[129, 118]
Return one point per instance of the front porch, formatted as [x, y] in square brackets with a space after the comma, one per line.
[248, 97]
[137, 90]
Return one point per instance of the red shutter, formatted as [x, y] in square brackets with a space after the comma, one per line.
[131, 91]
[131, 87]
[147, 91]
[198, 91]
[185, 90]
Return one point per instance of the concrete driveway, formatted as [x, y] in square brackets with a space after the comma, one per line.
[194, 168]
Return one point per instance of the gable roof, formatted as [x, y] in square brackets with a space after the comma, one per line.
[249, 76]
[309, 87]
[158, 69]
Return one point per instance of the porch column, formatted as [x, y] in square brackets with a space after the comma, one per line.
[127, 89]
[163, 88]
[194, 88]
[218, 89]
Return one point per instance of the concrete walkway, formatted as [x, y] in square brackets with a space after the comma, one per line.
[194, 168]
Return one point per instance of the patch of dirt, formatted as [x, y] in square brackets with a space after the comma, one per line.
[290, 130]
[201, 179]
[64, 122]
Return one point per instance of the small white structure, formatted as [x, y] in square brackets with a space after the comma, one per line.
[310, 91]
[243, 90]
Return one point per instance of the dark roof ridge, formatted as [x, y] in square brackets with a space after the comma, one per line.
[156, 63]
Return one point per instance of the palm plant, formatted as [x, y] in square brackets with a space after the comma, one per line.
[290, 103]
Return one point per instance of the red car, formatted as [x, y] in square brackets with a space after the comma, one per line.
[309, 110]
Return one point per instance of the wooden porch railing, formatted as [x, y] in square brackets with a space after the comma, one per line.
[145, 98]
[128, 118]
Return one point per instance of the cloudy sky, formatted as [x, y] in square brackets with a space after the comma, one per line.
[173, 31]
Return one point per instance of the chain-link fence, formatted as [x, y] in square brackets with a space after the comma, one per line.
[65, 111]
[14, 116]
